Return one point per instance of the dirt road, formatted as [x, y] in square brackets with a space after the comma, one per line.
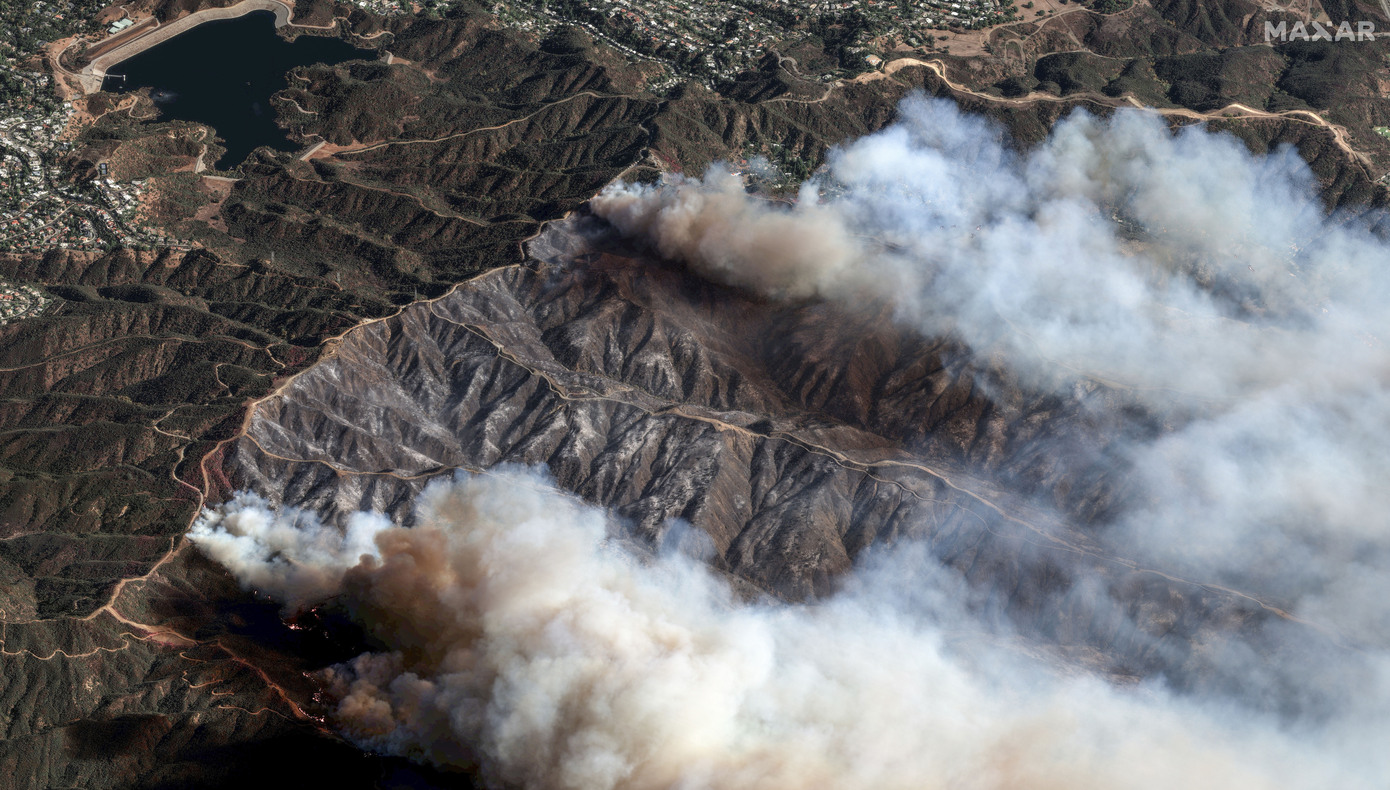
[1229, 112]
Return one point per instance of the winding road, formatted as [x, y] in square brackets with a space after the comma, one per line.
[1231, 111]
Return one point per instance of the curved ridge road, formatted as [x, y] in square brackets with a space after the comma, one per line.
[1231, 111]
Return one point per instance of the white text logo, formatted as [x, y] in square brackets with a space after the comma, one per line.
[1365, 31]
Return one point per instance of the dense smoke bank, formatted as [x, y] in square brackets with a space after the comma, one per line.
[1120, 267]
[716, 227]
[1172, 273]
[527, 644]
[1172, 265]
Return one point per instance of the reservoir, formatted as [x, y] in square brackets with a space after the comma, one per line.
[222, 73]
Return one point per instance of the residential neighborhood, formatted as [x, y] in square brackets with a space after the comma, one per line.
[716, 41]
[385, 7]
[41, 206]
[20, 301]
[26, 27]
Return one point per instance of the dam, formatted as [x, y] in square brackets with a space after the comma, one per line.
[222, 73]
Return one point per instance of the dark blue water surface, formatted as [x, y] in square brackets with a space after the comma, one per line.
[223, 73]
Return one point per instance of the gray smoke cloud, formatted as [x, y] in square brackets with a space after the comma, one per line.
[528, 643]
[1175, 273]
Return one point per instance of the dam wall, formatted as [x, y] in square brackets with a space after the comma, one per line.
[145, 37]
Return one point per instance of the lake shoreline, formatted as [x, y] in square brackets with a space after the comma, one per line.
[224, 73]
[94, 74]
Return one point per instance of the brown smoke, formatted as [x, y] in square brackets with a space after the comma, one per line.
[713, 225]
[528, 645]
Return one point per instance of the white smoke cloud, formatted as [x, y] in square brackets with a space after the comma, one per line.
[1225, 289]
[289, 555]
[1177, 271]
[526, 643]
[1183, 276]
